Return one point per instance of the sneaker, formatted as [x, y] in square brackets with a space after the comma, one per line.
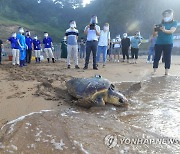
[147, 61]
[95, 68]
[85, 68]
[118, 61]
[77, 67]
[69, 66]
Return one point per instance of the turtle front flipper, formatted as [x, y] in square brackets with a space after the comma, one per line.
[99, 101]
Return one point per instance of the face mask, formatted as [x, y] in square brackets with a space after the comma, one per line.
[168, 19]
[21, 31]
[125, 35]
[14, 35]
[45, 35]
[35, 38]
[106, 28]
[72, 25]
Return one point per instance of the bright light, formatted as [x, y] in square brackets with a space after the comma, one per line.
[85, 2]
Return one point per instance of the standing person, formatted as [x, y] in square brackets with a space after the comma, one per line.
[164, 41]
[1, 45]
[82, 48]
[22, 46]
[37, 48]
[117, 46]
[64, 48]
[109, 51]
[72, 46]
[15, 48]
[104, 42]
[125, 44]
[29, 43]
[135, 43]
[151, 51]
[93, 32]
[48, 47]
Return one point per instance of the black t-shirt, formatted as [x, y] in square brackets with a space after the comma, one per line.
[1, 42]
[125, 43]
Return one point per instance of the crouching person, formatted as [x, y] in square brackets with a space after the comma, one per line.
[37, 49]
[15, 49]
[48, 47]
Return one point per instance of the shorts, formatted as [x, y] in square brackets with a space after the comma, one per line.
[116, 51]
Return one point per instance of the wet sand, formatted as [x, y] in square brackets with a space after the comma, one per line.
[18, 90]
[42, 87]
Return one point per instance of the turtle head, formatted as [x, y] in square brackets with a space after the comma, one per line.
[115, 97]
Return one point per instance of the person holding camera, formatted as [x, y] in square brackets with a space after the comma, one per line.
[93, 32]
[164, 41]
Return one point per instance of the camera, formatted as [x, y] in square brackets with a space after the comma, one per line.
[157, 27]
[92, 26]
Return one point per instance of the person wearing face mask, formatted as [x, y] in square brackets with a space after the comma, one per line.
[72, 45]
[22, 46]
[37, 48]
[135, 43]
[93, 32]
[82, 45]
[104, 42]
[48, 47]
[125, 44]
[117, 46]
[15, 48]
[164, 42]
[29, 43]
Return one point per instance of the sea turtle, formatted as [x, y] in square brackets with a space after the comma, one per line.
[94, 91]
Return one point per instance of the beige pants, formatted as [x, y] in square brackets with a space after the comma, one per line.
[37, 53]
[15, 54]
[72, 50]
[49, 53]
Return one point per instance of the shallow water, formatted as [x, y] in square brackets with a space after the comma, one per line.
[150, 123]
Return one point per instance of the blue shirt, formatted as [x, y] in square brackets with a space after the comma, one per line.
[22, 40]
[135, 41]
[37, 44]
[14, 43]
[29, 42]
[164, 38]
[47, 42]
[72, 36]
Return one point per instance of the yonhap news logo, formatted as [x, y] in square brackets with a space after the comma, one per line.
[112, 141]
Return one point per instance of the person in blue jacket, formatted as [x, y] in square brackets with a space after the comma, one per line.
[22, 46]
[37, 48]
[15, 48]
[29, 43]
[48, 47]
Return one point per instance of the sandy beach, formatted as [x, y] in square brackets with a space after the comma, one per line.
[21, 90]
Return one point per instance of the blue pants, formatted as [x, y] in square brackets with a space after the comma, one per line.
[166, 49]
[151, 52]
[22, 54]
[103, 50]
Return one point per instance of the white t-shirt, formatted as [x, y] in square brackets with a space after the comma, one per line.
[104, 37]
[117, 45]
[91, 35]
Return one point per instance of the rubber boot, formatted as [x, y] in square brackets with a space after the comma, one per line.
[53, 60]
[24, 63]
[48, 60]
[39, 60]
[36, 60]
[21, 63]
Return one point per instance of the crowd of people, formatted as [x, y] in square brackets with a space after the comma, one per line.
[98, 42]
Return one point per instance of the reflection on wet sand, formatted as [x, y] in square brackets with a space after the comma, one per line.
[150, 124]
